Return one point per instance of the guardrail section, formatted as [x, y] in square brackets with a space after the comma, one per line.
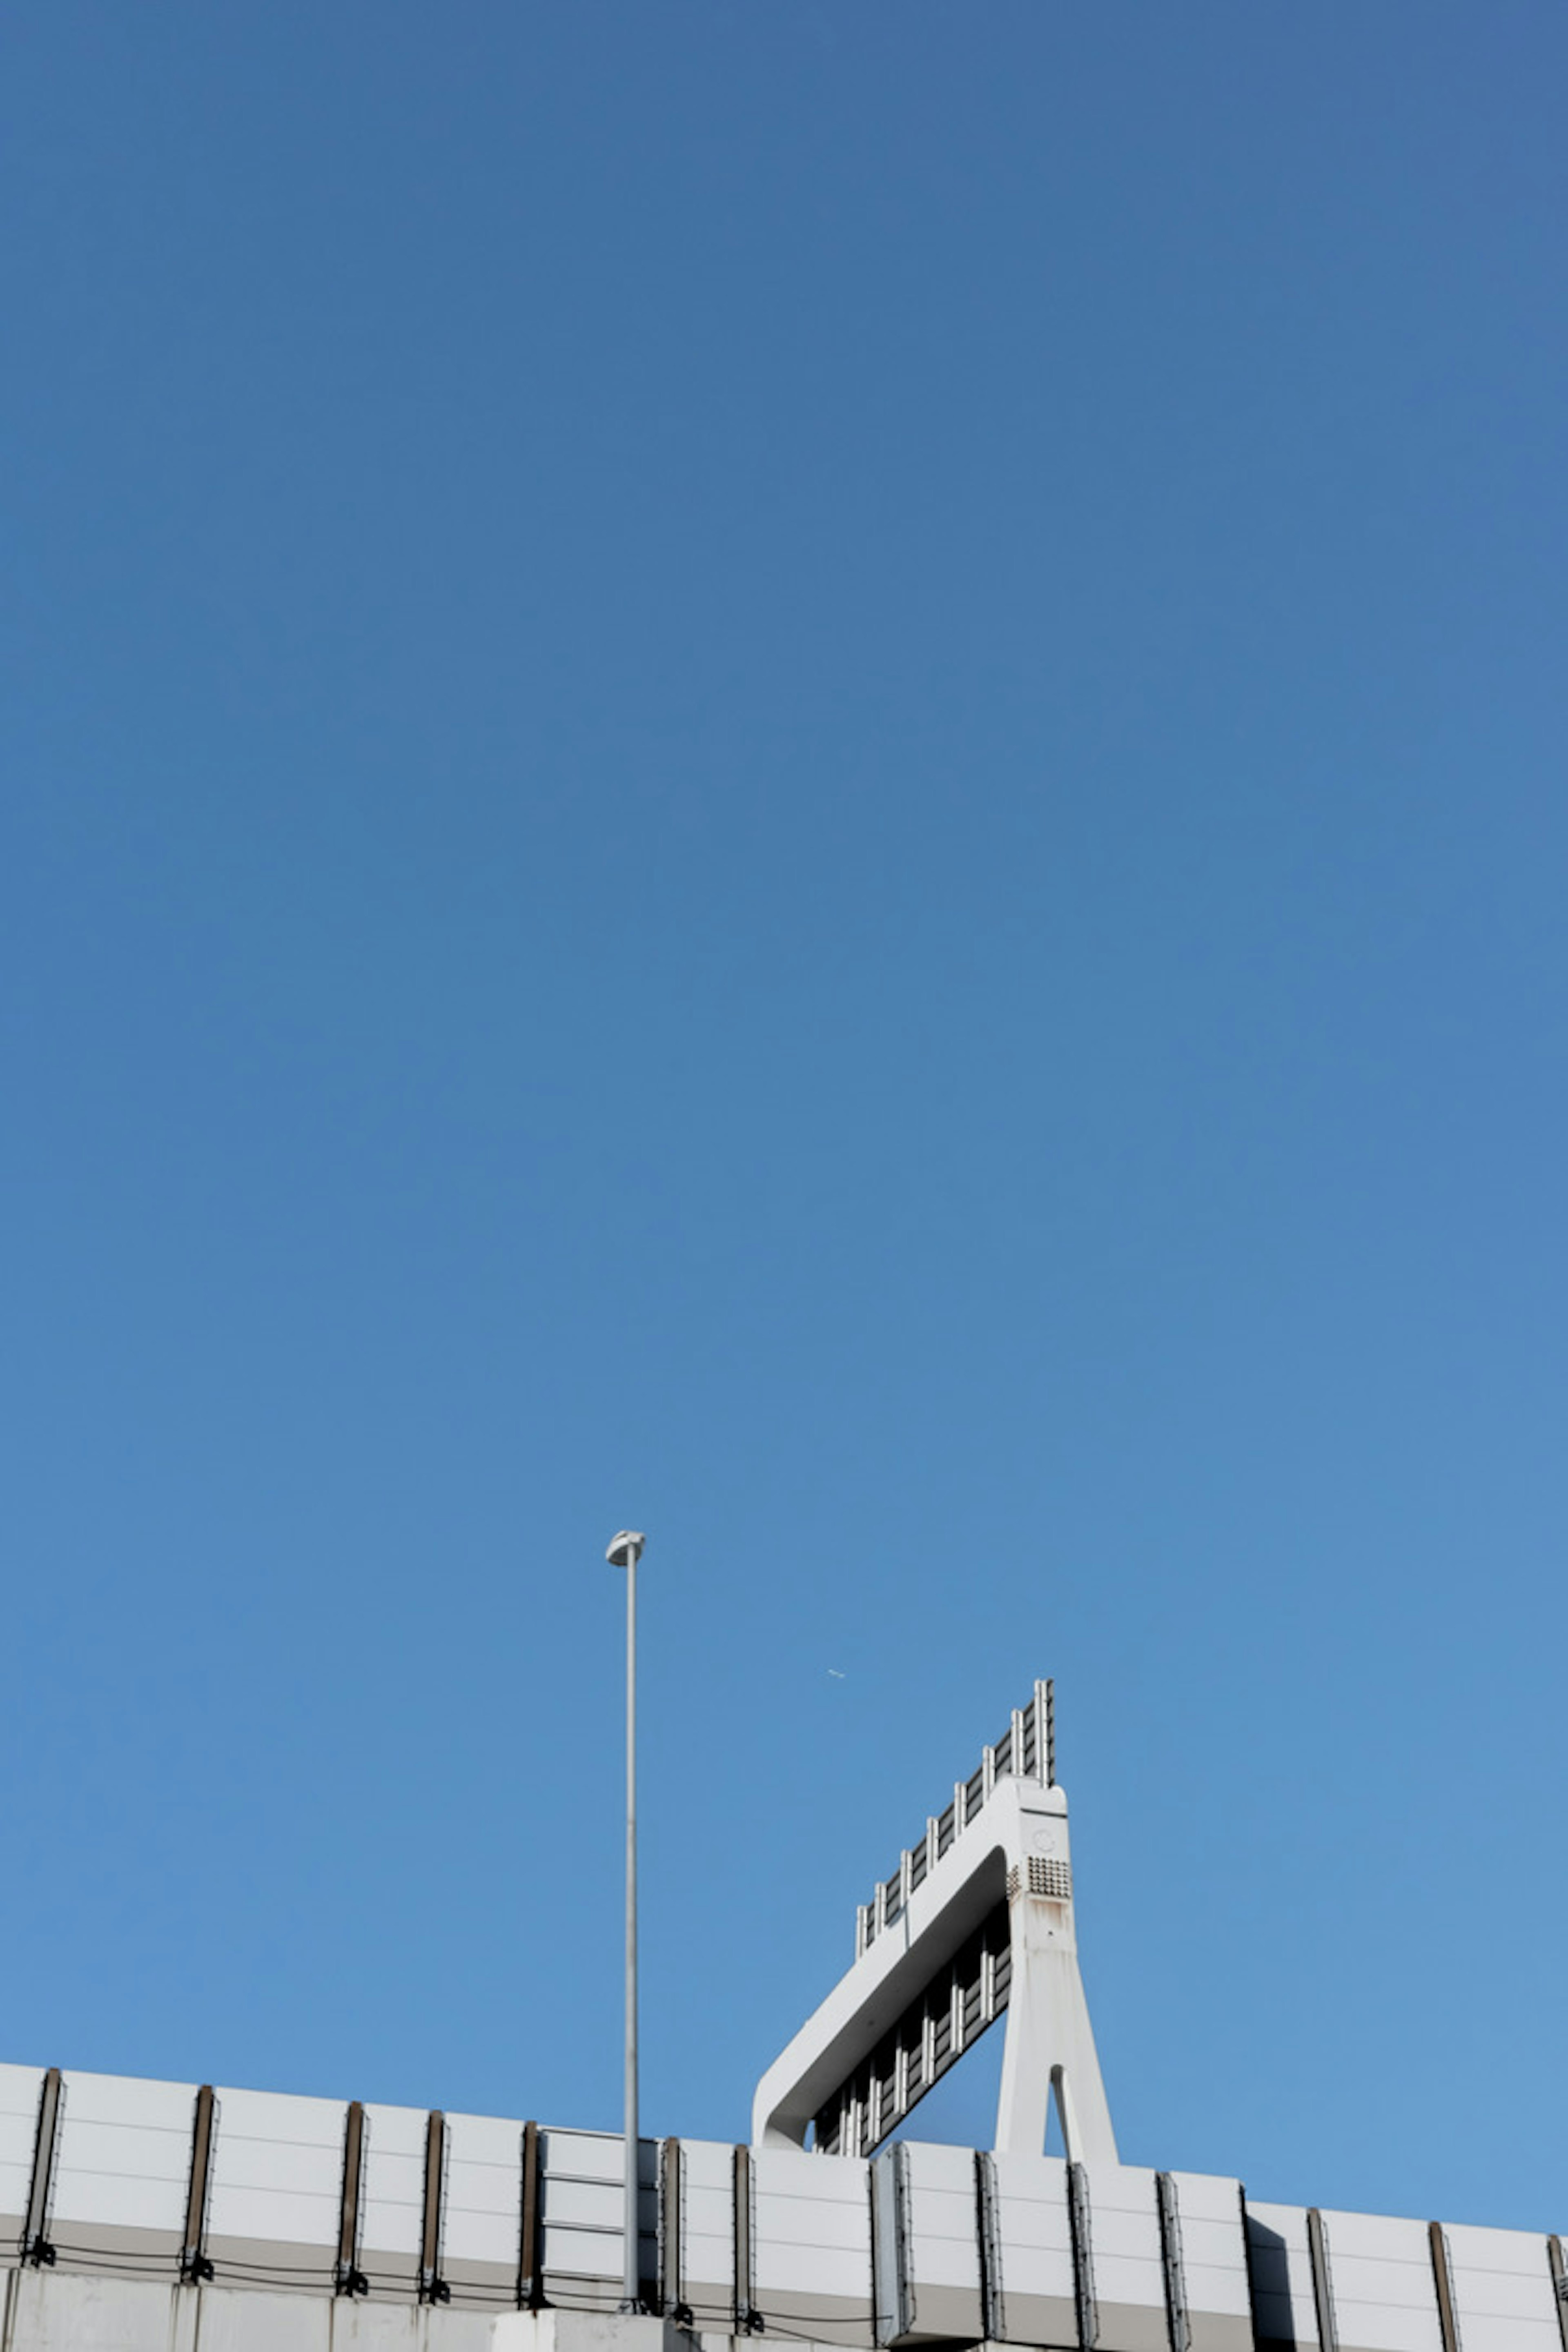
[19, 2087]
[198, 2204]
[1035, 2289]
[1126, 2255]
[481, 2240]
[1210, 2223]
[1381, 2287]
[1503, 2291]
[121, 2174]
[811, 2245]
[391, 2230]
[274, 2202]
[701, 2276]
[583, 2218]
[925, 2219]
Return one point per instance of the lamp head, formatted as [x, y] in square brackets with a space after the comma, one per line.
[626, 1549]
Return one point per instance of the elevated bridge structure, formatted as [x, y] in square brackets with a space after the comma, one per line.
[165, 2217]
[977, 1920]
[176, 2217]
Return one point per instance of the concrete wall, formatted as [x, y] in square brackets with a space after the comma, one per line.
[142, 2217]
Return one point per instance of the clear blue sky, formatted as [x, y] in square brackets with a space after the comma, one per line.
[795, 772]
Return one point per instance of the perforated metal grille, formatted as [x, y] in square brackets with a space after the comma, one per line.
[1045, 1876]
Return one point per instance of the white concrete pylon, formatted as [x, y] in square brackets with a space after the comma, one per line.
[1049, 2041]
[1013, 1853]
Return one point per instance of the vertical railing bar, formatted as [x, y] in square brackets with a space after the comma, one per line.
[992, 2324]
[1322, 2285]
[1557, 2263]
[193, 2265]
[531, 2239]
[1082, 2257]
[1443, 2279]
[433, 2287]
[746, 2317]
[1027, 1749]
[1171, 2261]
[347, 2276]
[35, 2247]
[903, 2258]
[672, 2234]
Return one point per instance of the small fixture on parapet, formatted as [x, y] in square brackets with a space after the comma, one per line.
[977, 1919]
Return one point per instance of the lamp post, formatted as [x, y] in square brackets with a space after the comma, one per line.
[625, 1552]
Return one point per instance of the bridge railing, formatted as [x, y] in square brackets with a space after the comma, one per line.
[1026, 1751]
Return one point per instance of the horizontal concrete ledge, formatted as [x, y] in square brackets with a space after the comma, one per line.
[587, 2331]
[53, 2311]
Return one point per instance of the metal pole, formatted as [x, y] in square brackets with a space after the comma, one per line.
[625, 1552]
[631, 2294]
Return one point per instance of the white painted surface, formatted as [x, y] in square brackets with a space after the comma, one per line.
[1048, 2029]
[124, 2157]
[19, 2088]
[813, 2226]
[1502, 2290]
[1033, 2230]
[1125, 2235]
[707, 2224]
[484, 2191]
[1049, 2041]
[582, 2190]
[1384, 2294]
[393, 2185]
[944, 2241]
[277, 2170]
[1214, 2251]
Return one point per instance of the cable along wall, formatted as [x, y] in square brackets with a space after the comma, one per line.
[198, 2191]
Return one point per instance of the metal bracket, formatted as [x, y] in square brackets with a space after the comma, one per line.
[1083, 2258]
[1171, 2262]
[1322, 2289]
[672, 2303]
[748, 2318]
[347, 2276]
[531, 2233]
[993, 2325]
[1558, 2264]
[36, 2248]
[1443, 2275]
[433, 2287]
[195, 2270]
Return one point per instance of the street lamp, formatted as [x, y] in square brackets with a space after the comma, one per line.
[625, 1552]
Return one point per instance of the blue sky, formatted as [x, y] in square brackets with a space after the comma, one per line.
[795, 773]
